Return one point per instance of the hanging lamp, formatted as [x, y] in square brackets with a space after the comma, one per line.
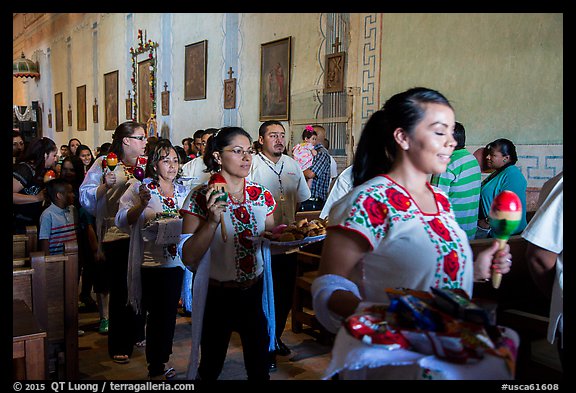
[25, 68]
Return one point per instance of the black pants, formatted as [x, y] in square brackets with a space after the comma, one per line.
[284, 278]
[125, 326]
[160, 294]
[228, 310]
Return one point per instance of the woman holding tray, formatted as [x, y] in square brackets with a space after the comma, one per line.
[155, 270]
[231, 285]
[393, 229]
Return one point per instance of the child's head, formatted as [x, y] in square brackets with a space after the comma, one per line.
[60, 192]
[309, 135]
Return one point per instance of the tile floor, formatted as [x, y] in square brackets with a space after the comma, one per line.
[308, 360]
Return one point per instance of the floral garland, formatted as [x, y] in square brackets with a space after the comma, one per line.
[144, 46]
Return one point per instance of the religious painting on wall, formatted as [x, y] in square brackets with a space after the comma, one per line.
[195, 67]
[81, 107]
[230, 93]
[111, 100]
[144, 97]
[165, 100]
[59, 114]
[69, 115]
[275, 80]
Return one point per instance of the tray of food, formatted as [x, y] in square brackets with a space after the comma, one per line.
[298, 233]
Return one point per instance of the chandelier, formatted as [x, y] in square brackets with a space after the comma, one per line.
[25, 68]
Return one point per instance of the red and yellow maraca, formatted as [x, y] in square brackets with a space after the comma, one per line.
[111, 161]
[49, 175]
[219, 182]
[505, 216]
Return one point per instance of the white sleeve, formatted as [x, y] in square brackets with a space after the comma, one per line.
[89, 186]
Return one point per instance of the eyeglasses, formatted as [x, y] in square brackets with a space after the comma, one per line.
[239, 152]
[139, 137]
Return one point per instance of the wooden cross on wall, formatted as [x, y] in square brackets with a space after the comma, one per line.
[336, 45]
[230, 91]
[230, 72]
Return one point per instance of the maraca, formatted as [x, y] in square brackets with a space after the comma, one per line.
[111, 161]
[49, 175]
[505, 215]
[139, 173]
[218, 180]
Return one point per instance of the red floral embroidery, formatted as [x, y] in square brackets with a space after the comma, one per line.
[397, 199]
[247, 263]
[242, 239]
[443, 201]
[438, 227]
[152, 185]
[377, 211]
[269, 200]
[169, 202]
[451, 264]
[253, 192]
[242, 214]
[104, 164]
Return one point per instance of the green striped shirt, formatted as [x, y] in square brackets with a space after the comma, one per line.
[462, 183]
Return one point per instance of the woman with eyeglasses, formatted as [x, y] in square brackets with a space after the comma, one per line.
[155, 270]
[228, 289]
[100, 194]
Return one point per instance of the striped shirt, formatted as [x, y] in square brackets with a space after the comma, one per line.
[58, 225]
[462, 183]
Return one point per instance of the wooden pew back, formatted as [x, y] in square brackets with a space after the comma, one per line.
[61, 295]
[23, 245]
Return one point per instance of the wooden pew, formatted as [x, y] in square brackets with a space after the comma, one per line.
[23, 245]
[302, 314]
[61, 281]
[28, 344]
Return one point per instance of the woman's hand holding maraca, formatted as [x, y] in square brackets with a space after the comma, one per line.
[492, 260]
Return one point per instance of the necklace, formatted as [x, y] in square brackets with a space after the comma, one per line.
[237, 196]
[280, 187]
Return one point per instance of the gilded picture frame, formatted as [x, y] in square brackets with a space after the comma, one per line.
[81, 108]
[275, 70]
[111, 100]
[195, 69]
[59, 113]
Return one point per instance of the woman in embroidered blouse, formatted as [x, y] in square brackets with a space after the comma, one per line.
[155, 270]
[393, 229]
[100, 194]
[501, 157]
[229, 271]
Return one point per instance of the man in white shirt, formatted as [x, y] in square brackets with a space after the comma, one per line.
[193, 172]
[545, 254]
[281, 175]
[342, 185]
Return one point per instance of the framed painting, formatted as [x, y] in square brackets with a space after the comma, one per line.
[144, 91]
[195, 67]
[275, 80]
[128, 108]
[59, 113]
[230, 93]
[81, 108]
[111, 100]
[334, 76]
[95, 111]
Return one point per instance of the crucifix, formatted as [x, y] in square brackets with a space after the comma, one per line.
[336, 44]
[230, 72]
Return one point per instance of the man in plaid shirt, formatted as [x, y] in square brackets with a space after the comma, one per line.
[319, 172]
